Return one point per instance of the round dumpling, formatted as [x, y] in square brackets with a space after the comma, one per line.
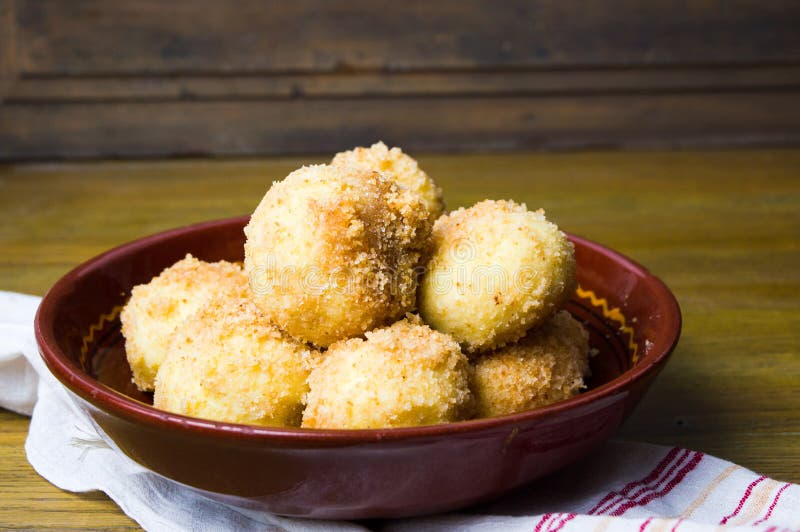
[546, 366]
[400, 376]
[333, 252]
[156, 309]
[496, 270]
[228, 363]
[401, 167]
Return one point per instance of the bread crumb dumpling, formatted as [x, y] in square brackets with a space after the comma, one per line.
[333, 251]
[228, 363]
[497, 270]
[400, 376]
[156, 309]
[546, 366]
[401, 167]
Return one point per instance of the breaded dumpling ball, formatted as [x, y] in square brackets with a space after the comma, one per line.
[546, 366]
[497, 270]
[156, 309]
[401, 167]
[228, 363]
[331, 252]
[400, 376]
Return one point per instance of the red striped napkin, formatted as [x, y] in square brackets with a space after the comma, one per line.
[640, 487]
[623, 486]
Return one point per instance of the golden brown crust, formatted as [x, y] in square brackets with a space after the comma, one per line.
[401, 167]
[332, 256]
[228, 363]
[156, 309]
[403, 375]
[496, 271]
[546, 366]
[331, 252]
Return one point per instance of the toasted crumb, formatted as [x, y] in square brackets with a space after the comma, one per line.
[400, 376]
[401, 167]
[497, 270]
[546, 366]
[228, 363]
[331, 252]
[156, 309]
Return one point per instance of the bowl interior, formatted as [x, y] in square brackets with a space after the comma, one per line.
[615, 300]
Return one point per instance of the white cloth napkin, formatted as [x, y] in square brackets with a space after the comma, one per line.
[624, 486]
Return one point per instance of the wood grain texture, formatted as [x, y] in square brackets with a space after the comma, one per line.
[31, 503]
[99, 37]
[133, 78]
[8, 51]
[148, 129]
[720, 227]
[575, 82]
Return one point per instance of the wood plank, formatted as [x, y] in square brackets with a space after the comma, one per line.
[204, 36]
[437, 123]
[30, 502]
[8, 52]
[233, 87]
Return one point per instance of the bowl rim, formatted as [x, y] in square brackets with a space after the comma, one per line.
[120, 405]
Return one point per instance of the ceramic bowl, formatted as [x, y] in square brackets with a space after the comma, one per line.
[634, 323]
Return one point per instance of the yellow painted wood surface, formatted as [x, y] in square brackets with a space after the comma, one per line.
[722, 228]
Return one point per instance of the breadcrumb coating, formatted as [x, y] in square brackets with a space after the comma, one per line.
[546, 366]
[401, 167]
[156, 309]
[334, 256]
[400, 376]
[496, 270]
[332, 252]
[228, 363]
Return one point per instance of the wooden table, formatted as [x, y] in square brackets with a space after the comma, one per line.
[722, 228]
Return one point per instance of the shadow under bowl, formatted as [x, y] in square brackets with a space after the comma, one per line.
[634, 323]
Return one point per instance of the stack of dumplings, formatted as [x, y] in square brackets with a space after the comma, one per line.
[363, 304]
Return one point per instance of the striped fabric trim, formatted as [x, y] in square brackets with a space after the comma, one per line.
[660, 525]
[545, 518]
[744, 498]
[644, 489]
[773, 505]
[613, 497]
[704, 495]
[677, 524]
[653, 495]
[758, 502]
[564, 521]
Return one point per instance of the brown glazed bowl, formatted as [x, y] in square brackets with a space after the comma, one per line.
[634, 323]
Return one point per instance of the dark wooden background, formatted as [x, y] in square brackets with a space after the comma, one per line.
[146, 78]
